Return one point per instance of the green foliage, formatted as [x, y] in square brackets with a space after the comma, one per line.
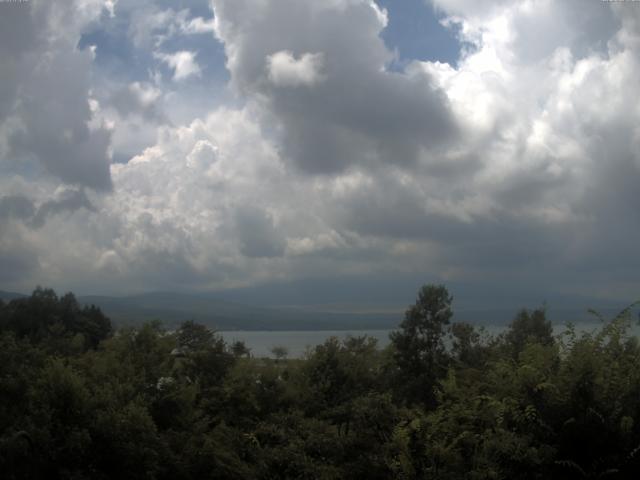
[528, 327]
[280, 352]
[240, 349]
[57, 324]
[419, 352]
[338, 371]
[78, 401]
[468, 345]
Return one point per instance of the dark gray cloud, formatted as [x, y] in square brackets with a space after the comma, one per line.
[17, 264]
[67, 201]
[16, 207]
[257, 234]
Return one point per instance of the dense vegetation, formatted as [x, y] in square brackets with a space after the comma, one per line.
[443, 401]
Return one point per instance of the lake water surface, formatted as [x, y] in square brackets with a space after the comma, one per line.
[297, 342]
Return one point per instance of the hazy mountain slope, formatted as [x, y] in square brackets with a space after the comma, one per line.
[173, 308]
[7, 296]
[245, 312]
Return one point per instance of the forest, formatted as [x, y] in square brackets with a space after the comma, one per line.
[80, 399]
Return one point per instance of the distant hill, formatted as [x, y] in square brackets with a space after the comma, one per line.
[218, 312]
[7, 296]
[173, 308]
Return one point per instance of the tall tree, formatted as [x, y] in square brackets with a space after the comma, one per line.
[419, 352]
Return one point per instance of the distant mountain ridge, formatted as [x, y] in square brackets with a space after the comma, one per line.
[173, 308]
[213, 310]
[8, 296]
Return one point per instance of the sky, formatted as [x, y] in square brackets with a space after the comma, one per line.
[197, 146]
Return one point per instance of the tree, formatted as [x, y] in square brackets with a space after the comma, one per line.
[280, 352]
[529, 328]
[193, 336]
[338, 371]
[466, 345]
[419, 353]
[59, 323]
[207, 358]
[240, 349]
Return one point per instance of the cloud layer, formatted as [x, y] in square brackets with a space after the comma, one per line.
[518, 164]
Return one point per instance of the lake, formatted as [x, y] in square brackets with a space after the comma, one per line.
[297, 342]
[261, 342]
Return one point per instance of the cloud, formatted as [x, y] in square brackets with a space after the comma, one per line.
[257, 234]
[198, 25]
[17, 207]
[65, 201]
[287, 71]
[133, 88]
[151, 26]
[183, 63]
[518, 165]
[45, 115]
[16, 262]
[139, 98]
[110, 6]
[358, 113]
[181, 204]
[203, 155]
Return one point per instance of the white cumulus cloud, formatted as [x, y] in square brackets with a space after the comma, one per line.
[286, 70]
[183, 64]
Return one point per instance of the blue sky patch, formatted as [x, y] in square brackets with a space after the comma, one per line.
[415, 32]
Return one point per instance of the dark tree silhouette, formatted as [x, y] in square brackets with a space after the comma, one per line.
[419, 351]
